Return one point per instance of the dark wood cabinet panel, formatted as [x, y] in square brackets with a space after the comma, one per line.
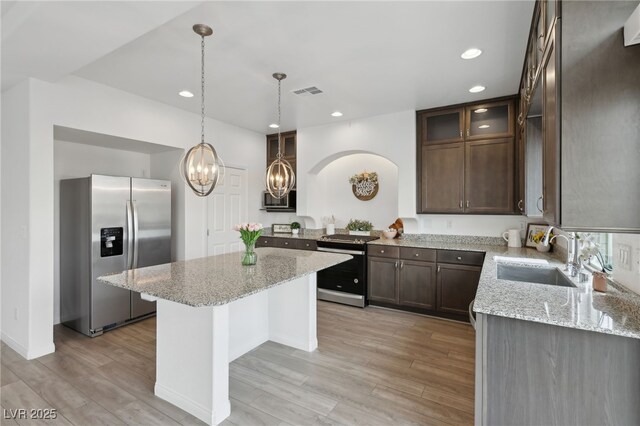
[423, 254]
[472, 258]
[489, 176]
[383, 251]
[442, 178]
[457, 285]
[288, 243]
[520, 190]
[266, 242]
[475, 172]
[444, 126]
[417, 284]
[551, 158]
[308, 245]
[383, 282]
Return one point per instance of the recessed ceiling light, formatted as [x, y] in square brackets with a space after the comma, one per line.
[480, 110]
[477, 89]
[336, 114]
[483, 126]
[471, 53]
[273, 125]
[186, 94]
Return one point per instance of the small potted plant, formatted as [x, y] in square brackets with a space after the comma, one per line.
[295, 228]
[359, 227]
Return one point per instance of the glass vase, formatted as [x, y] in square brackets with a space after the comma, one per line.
[250, 257]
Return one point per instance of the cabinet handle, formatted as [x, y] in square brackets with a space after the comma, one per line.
[467, 132]
[396, 264]
[538, 203]
[520, 206]
[459, 257]
[417, 254]
[460, 203]
[460, 133]
[401, 264]
[438, 268]
[381, 251]
[467, 203]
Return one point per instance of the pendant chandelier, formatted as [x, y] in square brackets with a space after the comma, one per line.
[280, 178]
[201, 167]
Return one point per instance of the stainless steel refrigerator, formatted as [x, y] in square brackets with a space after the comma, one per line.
[109, 224]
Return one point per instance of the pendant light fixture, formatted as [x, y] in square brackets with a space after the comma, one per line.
[201, 167]
[280, 178]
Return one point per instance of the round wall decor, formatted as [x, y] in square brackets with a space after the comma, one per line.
[364, 185]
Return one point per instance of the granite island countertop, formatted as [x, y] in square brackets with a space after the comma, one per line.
[218, 280]
[616, 312]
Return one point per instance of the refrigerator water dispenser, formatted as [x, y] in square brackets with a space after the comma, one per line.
[110, 242]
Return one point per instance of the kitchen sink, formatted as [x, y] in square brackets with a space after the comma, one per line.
[549, 276]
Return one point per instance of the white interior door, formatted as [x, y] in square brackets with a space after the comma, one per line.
[226, 207]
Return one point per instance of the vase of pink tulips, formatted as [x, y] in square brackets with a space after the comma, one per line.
[249, 233]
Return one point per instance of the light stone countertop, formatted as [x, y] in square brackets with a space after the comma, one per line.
[218, 280]
[616, 312]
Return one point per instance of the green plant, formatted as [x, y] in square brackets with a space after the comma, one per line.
[359, 225]
[295, 225]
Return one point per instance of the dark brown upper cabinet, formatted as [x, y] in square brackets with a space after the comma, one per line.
[473, 171]
[444, 126]
[488, 121]
[287, 145]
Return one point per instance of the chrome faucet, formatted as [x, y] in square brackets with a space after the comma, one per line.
[573, 258]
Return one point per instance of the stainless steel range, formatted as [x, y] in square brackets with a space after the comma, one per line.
[346, 282]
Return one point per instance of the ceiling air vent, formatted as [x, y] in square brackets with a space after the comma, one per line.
[313, 90]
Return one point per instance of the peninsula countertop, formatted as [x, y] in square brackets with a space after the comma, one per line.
[218, 280]
[616, 312]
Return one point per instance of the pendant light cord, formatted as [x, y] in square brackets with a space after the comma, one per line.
[202, 93]
[279, 114]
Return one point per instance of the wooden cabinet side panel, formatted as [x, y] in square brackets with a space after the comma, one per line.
[551, 155]
[540, 374]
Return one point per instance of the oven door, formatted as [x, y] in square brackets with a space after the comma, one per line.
[345, 282]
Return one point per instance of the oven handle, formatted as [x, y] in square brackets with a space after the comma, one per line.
[334, 250]
[341, 294]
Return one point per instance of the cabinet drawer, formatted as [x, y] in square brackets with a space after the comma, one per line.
[266, 242]
[307, 245]
[288, 243]
[383, 251]
[461, 257]
[412, 253]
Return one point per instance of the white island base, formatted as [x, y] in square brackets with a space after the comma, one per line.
[196, 344]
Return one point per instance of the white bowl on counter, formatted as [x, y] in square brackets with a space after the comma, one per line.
[390, 234]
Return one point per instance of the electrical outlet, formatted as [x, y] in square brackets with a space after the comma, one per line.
[624, 257]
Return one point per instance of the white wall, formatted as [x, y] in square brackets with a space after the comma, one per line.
[15, 222]
[630, 278]
[392, 136]
[338, 197]
[29, 113]
[74, 160]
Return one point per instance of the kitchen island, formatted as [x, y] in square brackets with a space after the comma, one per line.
[212, 310]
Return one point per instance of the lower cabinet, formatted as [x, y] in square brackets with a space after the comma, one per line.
[417, 284]
[457, 285]
[383, 279]
[425, 286]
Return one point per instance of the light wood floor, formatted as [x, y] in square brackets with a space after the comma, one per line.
[373, 367]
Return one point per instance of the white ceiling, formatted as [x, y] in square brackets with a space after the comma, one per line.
[369, 58]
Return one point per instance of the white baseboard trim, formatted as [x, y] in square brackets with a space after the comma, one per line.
[28, 353]
[203, 413]
[304, 345]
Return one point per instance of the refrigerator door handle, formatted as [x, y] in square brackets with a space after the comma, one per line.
[129, 235]
[135, 234]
